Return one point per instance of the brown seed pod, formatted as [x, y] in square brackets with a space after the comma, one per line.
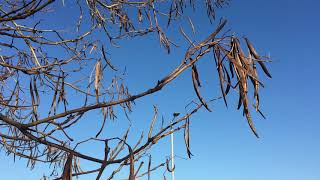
[196, 88]
[98, 75]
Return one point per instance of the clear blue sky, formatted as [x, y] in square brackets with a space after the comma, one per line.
[222, 144]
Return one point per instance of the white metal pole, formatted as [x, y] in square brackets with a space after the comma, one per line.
[172, 156]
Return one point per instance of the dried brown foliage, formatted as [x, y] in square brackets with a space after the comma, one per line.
[31, 73]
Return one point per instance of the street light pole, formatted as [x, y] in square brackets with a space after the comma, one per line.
[172, 152]
[172, 156]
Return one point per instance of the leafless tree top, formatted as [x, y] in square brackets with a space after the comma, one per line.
[41, 63]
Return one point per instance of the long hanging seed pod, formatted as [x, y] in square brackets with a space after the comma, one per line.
[187, 137]
[98, 75]
[33, 101]
[195, 82]
[255, 83]
[242, 74]
[36, 90]
[257, 57]
[54, 100]
[196, 75]
[228, 81]
[221, 75]
[248, 116]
